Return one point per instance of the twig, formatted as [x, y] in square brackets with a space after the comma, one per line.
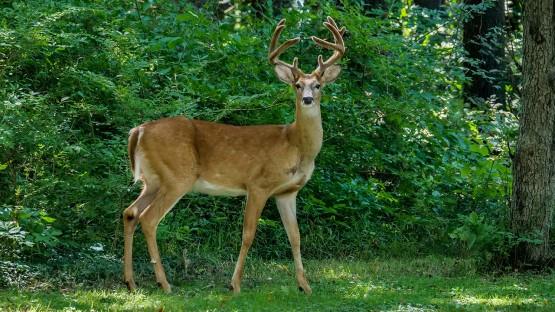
[139, 14]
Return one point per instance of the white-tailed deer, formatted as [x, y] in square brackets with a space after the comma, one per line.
[175, 156]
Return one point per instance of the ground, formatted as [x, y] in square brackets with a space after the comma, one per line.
[425, 284]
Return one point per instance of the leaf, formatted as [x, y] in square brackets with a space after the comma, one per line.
[174, 42]
[55, 232]
[186, 17]
[471, 238]
[14, 230]
[48, 219]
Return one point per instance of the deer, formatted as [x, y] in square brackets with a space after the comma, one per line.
[175, 156]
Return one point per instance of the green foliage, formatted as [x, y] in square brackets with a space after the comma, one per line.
[27, 227]
[481, 238]
[474, 232]
[402, 156]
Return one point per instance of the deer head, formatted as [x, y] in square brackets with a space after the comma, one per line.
[308, 86]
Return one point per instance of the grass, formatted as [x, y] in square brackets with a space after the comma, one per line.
[426, 284]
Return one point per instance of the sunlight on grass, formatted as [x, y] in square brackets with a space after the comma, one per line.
[363, 290]
[422, 285]
[410, 308]
[338, 273]
[497, 301]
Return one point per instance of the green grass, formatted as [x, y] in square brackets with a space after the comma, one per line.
[426, 284]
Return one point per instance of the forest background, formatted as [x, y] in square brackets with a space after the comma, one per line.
[419, 130]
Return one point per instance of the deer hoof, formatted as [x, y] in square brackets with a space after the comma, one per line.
[234, 289]
[165, 286]
[306, 289]
[131, 286]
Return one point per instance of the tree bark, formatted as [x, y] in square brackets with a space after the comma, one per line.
[533, 199]
[486, 71]
[429, 4]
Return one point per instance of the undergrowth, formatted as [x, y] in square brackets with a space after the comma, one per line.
[405, 167]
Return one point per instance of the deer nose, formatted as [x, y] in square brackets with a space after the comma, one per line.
[307, 100]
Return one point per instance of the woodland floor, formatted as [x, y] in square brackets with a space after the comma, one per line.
[425, 284]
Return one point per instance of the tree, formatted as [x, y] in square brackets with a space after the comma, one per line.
[485, 51]
[533, 199]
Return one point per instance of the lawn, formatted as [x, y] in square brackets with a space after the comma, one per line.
[425, 284]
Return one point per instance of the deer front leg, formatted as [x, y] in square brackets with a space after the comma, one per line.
[255, 204]
[287, 206]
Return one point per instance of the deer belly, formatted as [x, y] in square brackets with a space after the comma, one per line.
[205, 187]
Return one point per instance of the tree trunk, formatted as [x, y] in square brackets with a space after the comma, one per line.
[429, 4]
[487, 68]
[533, 199]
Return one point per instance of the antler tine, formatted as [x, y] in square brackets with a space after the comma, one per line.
[274, 53]
[332, 21]
[338, 46]
[277, 32]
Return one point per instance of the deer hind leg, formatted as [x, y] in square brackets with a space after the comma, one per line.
[164, 201]
[287, 207]
[253, 209]
[130, 220]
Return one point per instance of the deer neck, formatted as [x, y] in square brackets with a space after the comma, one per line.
[306, 131]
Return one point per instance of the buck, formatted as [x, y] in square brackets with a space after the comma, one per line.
[174, 156]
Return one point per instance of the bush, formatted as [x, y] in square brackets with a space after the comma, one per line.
[402, 156]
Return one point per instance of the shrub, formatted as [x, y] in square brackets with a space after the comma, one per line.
[402, 156]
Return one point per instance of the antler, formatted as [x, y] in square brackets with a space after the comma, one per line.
[338, 46]
[274, 53]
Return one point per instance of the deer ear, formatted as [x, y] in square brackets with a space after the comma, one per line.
[284, 74]
[331, 74]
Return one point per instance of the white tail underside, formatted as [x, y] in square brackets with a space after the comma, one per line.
[137, 169]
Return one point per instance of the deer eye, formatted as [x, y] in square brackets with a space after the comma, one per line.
[298, 85]
[317, 86]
